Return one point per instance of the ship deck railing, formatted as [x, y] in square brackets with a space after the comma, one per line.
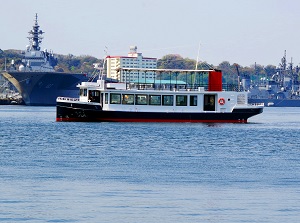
[190, 80]
[181, 87]
[67, 99]
[258, 104]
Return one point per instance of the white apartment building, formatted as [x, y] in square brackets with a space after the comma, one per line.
[132, 60]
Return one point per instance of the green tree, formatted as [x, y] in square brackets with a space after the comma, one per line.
[171, 61]
[229, 72]
[270, 70]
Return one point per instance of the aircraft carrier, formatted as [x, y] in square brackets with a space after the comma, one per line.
[36, 80]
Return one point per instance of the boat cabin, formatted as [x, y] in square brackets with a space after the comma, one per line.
[146, 102]
[117, 96]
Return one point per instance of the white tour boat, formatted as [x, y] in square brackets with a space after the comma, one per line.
[157, 101]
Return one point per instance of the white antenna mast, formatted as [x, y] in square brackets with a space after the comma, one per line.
[197, 60]
[104, 62]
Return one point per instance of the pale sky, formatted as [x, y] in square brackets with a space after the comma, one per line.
[238, 31]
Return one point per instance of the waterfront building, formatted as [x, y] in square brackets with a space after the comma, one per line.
[132, 60]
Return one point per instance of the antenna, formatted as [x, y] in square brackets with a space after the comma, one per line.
[106, 51]
[197, 60]
[35, 38]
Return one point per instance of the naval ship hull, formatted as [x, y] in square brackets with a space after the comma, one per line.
[42, 88]
[275, 102]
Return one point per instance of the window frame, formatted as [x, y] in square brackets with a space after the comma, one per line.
[127, 100]
[164, 100]
[106, 98]
[118, 101]
[181, 102]
[193, 100]
[152, 102]
[138, 101]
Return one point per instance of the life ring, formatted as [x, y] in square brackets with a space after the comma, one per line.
[221, 101]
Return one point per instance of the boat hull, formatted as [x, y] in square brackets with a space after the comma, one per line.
[68, 111]
[42, 88]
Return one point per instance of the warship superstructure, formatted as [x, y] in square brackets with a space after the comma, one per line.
[36, 80]
[281, 90]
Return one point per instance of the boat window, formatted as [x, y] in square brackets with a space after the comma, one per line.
[83, 92]
[106, 98]
[193, 100]
[209, 102]
[115, 98]
[141, 99]
[155, 99]
[181, 100]
[128, 99]
[167, 100]
[94, 96]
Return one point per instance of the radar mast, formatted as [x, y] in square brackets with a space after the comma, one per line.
[35, 38]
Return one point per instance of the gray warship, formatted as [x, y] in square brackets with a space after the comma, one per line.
[281, 90]
[36, 80]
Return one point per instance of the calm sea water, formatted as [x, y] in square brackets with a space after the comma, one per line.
[141, 172]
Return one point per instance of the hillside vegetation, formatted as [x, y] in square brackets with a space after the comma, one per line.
[84, 64]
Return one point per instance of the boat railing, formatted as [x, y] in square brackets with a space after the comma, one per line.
[258, 104]
[181, 87]
[67, 99]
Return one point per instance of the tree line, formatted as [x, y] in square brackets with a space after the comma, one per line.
[230, 71]
[84, 64]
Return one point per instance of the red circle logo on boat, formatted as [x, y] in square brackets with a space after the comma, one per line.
[221, 101]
